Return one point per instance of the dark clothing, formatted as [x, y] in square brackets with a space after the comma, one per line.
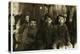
[62, 37]
[48, 35]
[20, 36]
[29, 38]
[45, 36]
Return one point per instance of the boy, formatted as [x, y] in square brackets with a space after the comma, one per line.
[29, 36]
[62, 39]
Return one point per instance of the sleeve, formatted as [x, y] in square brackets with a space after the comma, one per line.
[24, 36]
[67, 34]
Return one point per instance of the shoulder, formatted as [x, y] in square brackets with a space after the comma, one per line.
[65, 26]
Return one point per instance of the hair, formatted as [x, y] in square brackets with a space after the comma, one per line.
[56, 21]
[32, 19]
[22, 19]
[46, 16]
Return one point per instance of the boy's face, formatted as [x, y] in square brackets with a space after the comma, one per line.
[70, 20]
[27, 18]
[49, 20]
[33, 23]
[61, 20]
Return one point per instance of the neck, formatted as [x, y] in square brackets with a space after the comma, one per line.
[61, 24]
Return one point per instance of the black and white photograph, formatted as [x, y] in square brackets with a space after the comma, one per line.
[38, 26]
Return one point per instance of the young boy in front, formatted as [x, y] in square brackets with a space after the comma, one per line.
[62, 39]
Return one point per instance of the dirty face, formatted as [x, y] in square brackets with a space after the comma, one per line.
[61, 20]
[70, 20]
[49, 20]
[33, 24]
[27, 18]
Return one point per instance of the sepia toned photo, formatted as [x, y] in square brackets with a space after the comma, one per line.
[34, 26]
